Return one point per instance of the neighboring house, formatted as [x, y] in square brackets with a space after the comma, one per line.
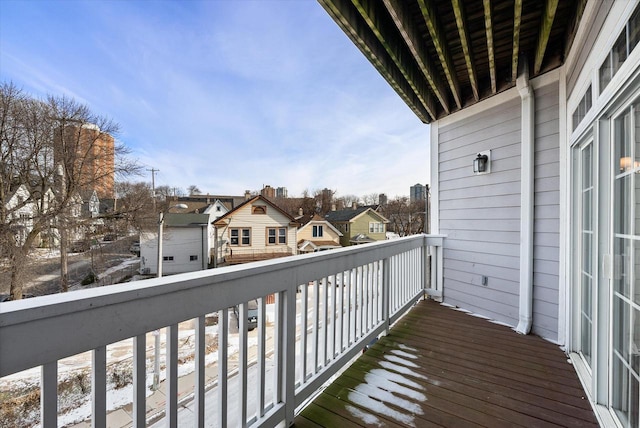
[21, 211]
[187, 244]
[318, 234]
[255, 230]
[90, 204]
[216, 210]
[535, 166]
[358, 225]
[23, 208]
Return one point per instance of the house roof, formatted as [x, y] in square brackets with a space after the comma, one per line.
[221, 219]
[316, 219]
[350, 214]
[186, 220]
[345, 215]
[441, 56]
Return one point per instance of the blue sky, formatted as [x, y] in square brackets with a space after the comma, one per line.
[226, 95]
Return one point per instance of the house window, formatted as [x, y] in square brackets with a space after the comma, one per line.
[317, 231]
[276, 235]
[193, 258]
[240, 236]
[259, 210]
[167, 258]
[246, 236]
[582, 109]
[627, 41]
[376, 227]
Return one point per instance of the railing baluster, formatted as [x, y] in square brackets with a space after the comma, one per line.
[304, 333]
[139, 380]
[99, 387]
[341, 314]
[49, 395]
[360, 301]
[171, 381]
[199, 393]
[262, 322]
[334, 291]
[351, 312]
[325, 323]
[365, 297]
[279, 351]
[316, 322]
[243, 313]
[223, 345]
[288, 351]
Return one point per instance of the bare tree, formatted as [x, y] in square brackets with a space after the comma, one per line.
[193, 190]
[370, 199]
[53, 150]
[346, 201]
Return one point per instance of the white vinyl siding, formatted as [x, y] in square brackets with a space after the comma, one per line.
[481, 214]
[259, 225]
[546, 228]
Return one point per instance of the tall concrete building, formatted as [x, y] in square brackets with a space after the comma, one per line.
[89, 156]
[417, 192]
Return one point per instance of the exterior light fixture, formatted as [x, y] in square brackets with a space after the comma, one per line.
[482, 163]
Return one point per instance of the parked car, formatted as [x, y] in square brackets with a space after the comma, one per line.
[135, 248]
[252, 314]
[79, 247]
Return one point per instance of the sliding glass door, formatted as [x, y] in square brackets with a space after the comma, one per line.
[625, 311]
[585, 216]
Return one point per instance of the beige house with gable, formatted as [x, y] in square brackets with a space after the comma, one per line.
[255, 230]
[318, 235]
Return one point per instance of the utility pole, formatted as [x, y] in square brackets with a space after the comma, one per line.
[153, 186]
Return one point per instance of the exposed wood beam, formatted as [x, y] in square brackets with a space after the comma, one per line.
[428, 10]
[372, 12]
[466, 48]
[399, 12]
[488, 26]
[545, 30]
[517, 19]
[348, 18]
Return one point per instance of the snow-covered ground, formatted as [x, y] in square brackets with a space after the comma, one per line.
[74, 373]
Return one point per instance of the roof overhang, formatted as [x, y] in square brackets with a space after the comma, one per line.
[441, 56]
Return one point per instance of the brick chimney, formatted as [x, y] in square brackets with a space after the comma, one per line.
[300, 212]
[354, 205]
[247, 195]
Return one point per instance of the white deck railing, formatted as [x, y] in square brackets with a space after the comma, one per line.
[326, 307]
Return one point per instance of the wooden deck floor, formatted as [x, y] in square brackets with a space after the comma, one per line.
[442, 367]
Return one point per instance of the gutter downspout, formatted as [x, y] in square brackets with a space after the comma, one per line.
[526, 199]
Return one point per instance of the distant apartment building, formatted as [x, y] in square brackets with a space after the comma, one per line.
[281, 192]
[382, 199]
[89, 155]
[417, 192]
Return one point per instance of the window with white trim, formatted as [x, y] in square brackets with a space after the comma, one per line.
[376, 227]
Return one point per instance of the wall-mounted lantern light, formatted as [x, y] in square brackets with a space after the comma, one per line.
[482, 163]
